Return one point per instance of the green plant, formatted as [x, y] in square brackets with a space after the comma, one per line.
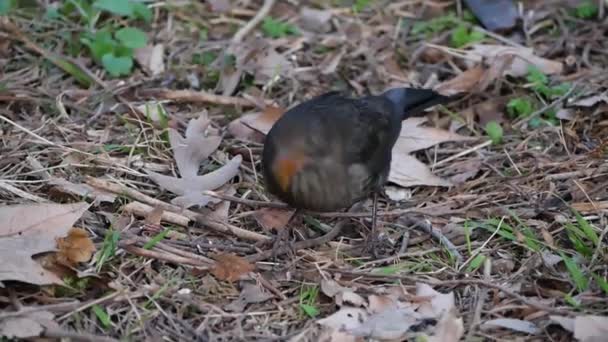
[6, 6]
[274, 28]
[360, 5]
[463, 35]
[308, 300]
[494, 131]
[586, 10]
[102, 316]
[540, 84]
[108, 249]
[435, 25]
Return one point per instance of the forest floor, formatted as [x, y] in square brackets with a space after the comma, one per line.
[134, 208]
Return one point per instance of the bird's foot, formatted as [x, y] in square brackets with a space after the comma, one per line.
[371, 246]
[281, 242]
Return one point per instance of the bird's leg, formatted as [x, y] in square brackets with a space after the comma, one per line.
[372, 239]
[283, 235]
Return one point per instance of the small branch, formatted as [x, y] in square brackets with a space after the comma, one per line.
[210, 223]
[243, 31]
[198, 96]
[436, 233]
[332, 234]
[165, 256]
[75, 336]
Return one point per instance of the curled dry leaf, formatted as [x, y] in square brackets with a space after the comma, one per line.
[230, 267]
[189, 152]
[254, 126]
[449, 329]
[523, 58]
[31, 229]
[437, 303]
[27, 325]
[407, 170]
[75, 248]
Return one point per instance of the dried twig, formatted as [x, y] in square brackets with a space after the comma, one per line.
[437, 234]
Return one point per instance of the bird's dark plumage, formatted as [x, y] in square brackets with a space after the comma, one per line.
[327, 153]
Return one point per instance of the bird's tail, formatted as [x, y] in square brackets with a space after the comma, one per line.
[413, 101]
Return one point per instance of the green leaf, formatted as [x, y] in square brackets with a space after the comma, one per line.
[586, 228]
[581, 282]
[102, 315]
[276, 29]
[494, 131]
[132, 37]
[117, 66]
[6, 6]
[462, 36]
[520, 107]
[476, 263]
[108, 249]
[360, 5]
[100, 44]
[536, 76]
[601, 282]
[156, 239]
[310, 310]
[586, 10]
[119, 7]
[141, 11]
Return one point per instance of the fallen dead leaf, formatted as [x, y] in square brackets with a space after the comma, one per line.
[449, 329]
[230, 267]
[250, 294]
[264, 121]
[406, 170]
[150, 57]
[273, 218]
[75, 248]
[188, 153]
[154, 217]
[438, 303]
[523, 58]
[586, 328]
[221, 210]
[591, 100]
[462, 83]
[315, 20]
[27, 325]
[31, 229]
[389, 324]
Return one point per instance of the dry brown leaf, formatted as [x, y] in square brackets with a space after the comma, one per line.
[591, 100]
[150, 58]
[28, 325]
[462, 83]
[155, 216]
[586, 328]
[74, 248]
[523, 58]
[407, 170]
[437, 304]
[512, 324]
[273, 218]
[264, 121]
[221, 210]
[393, 323]
[230, 267]
[250, 294]
[315, 20]
[188, 153]
[449, 329]
[31, 229]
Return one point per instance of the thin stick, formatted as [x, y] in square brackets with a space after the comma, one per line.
[198, 96]
[437, 234]
[463, 153]
[208, 222]
[243, 31]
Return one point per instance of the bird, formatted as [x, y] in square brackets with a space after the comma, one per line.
[332, 151]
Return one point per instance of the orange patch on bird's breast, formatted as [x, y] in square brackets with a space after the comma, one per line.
[286, 168]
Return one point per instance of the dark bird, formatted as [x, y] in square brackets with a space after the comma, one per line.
[328, 153]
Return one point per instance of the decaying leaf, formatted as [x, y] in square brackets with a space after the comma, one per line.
[437, 303]
[407, 170]
[250, 294]
[449, 329]
[462, 83]
[315, 20]
[28, 325]
[230, 267]
[586, 328]
[273, 218]
[74, 248]
[523, 58]
[31, 229]
[150, 57]
[189, 152]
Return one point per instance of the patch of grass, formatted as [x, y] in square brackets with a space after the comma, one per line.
[586, 10]
[576, 274]
[308, 300]
[156, 239]
[495, 132]
[74, 286]
[108, 249]
[360, 5]
[102, 316]
[435, 25]
[6, 6]
[274, 28]
[476, 263]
